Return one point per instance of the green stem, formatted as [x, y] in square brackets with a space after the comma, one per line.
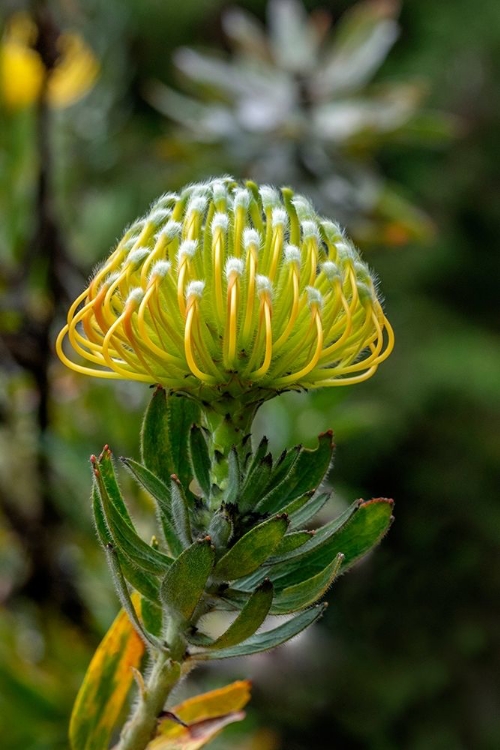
[140, 729]
[229, 424]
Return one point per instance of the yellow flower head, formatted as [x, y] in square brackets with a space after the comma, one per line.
[22, 72]
[230, 288]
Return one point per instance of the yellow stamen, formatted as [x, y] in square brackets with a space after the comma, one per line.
[232, 320]
[295, 377]
[264, 321]
[218, 259]
[251, 267]
[293, 312]
[276, 248]
[143, 329]
[189, 342]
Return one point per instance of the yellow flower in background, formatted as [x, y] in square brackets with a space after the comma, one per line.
[229, 288]
[22, 72]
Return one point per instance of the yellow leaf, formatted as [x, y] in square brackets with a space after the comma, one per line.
[204, 715]
[106, 685]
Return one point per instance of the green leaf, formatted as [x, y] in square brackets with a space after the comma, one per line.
[200, 459]
[234, 598]
[163, 497]
[124, 535]
[126, 599]
[232, 490]
[180, 513]
[364, 529]
[320, 535]
[103, 693]
[257, 456]
[306, 593]
[185, 582]
[165, 435]
[108, 477]
[152, 617]
[252, 549]
[221, 528]
[255, 484]
[291, 542]
[307, 473]
[303, 510]
[267, 640]
[250, 618]
[144, 583]
[284, 465]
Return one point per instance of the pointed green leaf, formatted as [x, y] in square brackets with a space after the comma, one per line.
[257, 456]
[284, 466]
[250, 618]
[252, 549]
[255, 484]
[152, 617]
[362, 531]
[126, 599]
[322, 534]
[232, 490]
[108, 478]
[308, 592]
[104, 690]
[221, 528]
[144, 583]
[165, 435]
[233, 599]
[291, 542]
[307, 473]
[125, 538]
[200, 459]
[303, 510]
[180, 513]
[267, 640]
[185, 582]
[318, 537]
[163, 497]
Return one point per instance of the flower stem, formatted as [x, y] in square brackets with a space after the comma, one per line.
[229, 425]
[140, 729]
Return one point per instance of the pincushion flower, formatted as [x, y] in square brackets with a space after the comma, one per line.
[229, 288]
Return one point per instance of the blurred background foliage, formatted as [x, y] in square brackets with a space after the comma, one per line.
[388, 116]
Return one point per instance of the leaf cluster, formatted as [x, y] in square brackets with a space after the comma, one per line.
[245, 547]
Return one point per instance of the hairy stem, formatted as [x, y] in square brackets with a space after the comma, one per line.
[140, 729]
[229, 425]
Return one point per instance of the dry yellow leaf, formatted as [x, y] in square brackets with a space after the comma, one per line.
[205, 716]
[104, 690]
